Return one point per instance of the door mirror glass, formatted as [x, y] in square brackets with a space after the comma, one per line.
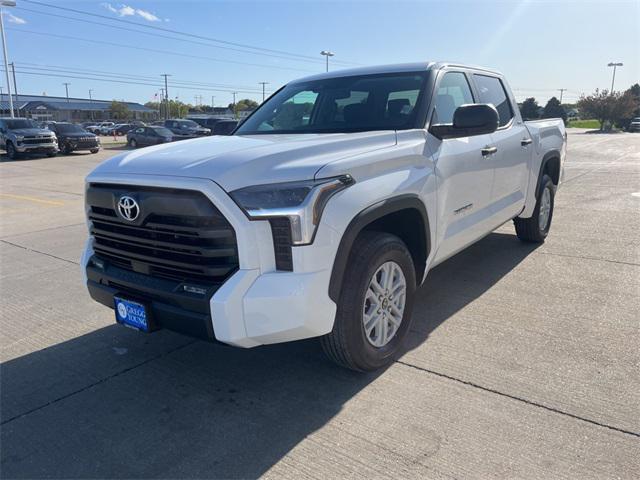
[468, 120]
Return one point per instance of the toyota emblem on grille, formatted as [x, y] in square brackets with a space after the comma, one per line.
[128, 208]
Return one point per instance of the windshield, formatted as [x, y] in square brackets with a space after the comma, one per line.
[163, 132]
[187, 124]
[69, 128]
[345, 104]
[20, 123]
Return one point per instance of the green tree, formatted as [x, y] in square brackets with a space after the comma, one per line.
[529, 109]
[553, 109]
[119, 110]
[632, 94]
[607, 108]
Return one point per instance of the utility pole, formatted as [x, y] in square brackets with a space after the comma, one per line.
[263, 84]
[15, 86]
[327, 54]
[561, 90]
[6, 3]
[213, 103]
[91, 102]
[614, 65]
[166, 95]
[66, 87]
[235, 113]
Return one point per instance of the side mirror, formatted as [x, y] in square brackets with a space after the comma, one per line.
[468, 120]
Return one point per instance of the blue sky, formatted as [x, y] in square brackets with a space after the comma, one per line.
[541, 46]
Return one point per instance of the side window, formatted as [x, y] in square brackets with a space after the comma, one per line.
[491, 90]
[452, 92]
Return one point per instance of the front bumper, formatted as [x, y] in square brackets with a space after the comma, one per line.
[37, 148]
[256, 305]
[82, 145]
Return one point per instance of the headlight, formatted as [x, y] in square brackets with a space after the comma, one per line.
[301, 202]
[19, 138]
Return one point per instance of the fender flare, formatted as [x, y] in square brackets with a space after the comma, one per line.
[362, 220]
[545, 159]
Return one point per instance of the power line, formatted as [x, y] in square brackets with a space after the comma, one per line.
[168, 30]
[84, 21]
[127, 82]
[175, 83]
[154, 50]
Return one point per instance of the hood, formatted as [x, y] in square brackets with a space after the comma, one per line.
[239, 161]
[77, 135]
[29, 132]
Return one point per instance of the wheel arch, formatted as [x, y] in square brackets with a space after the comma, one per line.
[550, 165]
[393, 215]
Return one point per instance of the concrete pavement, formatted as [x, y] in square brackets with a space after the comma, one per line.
[523, 361]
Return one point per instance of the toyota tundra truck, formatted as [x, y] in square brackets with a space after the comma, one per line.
[323, 212]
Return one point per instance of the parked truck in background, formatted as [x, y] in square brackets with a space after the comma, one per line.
[323, 212]
[23, 136]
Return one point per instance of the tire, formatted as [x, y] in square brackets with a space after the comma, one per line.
[11, 151]
[349, 344]
[65, 149]
[531, 229]
[133, 143]
[94, 150]
[51, 154]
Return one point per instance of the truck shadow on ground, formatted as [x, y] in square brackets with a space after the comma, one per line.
[114, 404]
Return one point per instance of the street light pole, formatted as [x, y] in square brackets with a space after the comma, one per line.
[66, 87]
[91, 102]
[327, 54]
[213, 103]
[614, 65]
[235, 114]
[263, 84]
[166, 95]
[6, 3]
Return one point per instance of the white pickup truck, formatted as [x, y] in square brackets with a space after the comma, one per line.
[324, 211]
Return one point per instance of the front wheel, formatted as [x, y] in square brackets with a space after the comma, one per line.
[133, 143]
[94, 150]
[374, 309]
[536, 228]
[12, 153]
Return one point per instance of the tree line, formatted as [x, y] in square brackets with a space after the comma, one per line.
[609, 109]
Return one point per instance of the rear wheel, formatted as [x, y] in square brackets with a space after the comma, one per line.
[536, 228]
[94, 150]
[374, 309]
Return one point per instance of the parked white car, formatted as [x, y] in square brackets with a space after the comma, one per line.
[324, 211]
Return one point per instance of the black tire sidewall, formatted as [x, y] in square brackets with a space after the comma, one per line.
[546, 183]
[133, 143]
[11, 151]
[364, 355]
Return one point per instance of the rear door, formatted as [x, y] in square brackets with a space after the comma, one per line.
[463, 173]
[512, 140]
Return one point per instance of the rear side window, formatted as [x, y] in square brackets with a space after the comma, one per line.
[491, 90]
[452, 92]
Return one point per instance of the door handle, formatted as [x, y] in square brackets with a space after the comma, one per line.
[486, 151]
[526, 141]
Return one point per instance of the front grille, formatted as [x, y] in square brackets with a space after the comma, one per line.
[179, 234]
[37, 141]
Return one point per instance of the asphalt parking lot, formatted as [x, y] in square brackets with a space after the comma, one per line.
[523, 362]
